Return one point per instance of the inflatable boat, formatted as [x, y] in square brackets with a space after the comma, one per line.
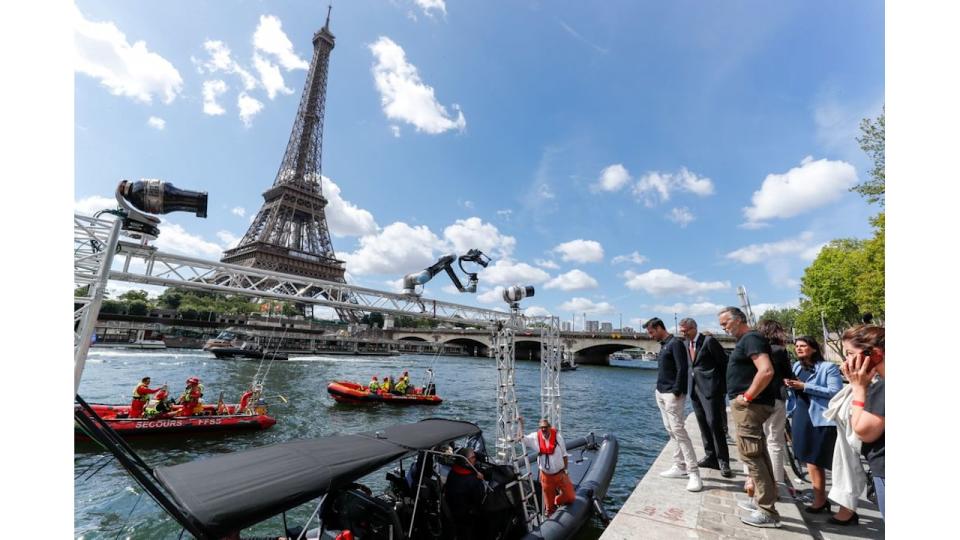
[355, 393]
[118, 418]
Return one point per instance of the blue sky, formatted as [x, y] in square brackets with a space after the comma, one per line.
[629, 159]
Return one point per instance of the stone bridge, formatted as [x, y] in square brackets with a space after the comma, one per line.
[587, 347]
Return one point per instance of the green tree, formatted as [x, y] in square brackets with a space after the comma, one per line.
[872, 141]
[133, 296]
[787, 317]
[138, 307]
[870, 290]
[828, 286]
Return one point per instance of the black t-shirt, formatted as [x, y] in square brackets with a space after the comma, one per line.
[874, 451]
[741, 371]
[782, 369]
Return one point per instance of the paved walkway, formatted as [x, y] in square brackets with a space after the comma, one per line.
[662, 508]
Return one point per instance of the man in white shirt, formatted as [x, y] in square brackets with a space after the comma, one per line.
[552, 462]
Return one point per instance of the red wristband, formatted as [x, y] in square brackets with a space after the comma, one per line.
[747, 397]
[856, 403]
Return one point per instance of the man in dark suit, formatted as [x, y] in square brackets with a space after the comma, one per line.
[707, 390]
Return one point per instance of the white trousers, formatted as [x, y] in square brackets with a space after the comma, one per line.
[671, 410]
[775, 428]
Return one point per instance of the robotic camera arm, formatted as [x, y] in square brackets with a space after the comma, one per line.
[152, 196]
[412, 281]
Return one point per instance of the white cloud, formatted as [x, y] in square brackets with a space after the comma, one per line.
[398, 249]
[681, 216]
[505, 214]
[656, 187]
[473, 233]
[221, 60]
[536, 311]
[491, 296]
[101, 51]
[802, 247]
[271, 39]
[211, 91]
[89, 206]
[579, 250]
[612, 178]
[239, 211]
[661, 281]
[507, 272]
[429, 6]
[343, 217]
[571, 281]
[249, 107]
[760, 309]
[811, 185]
[396, 131]
[585, 305]
[404, 97]
[698, 309]
[228, 240]
[543, 263]
[270, 77]
[635, 258]
[175, 239]
[157, 123]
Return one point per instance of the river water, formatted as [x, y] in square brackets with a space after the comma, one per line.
[109, 504]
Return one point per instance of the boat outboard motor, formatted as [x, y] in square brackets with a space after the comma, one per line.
[155, 197]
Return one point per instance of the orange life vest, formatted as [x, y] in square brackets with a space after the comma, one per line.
[547, 446]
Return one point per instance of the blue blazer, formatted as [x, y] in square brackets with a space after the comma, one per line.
[821, 387]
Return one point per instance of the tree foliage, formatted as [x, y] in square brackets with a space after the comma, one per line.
[873, 142]
[787, 317]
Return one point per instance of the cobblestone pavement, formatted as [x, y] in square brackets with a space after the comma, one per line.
[662, 508]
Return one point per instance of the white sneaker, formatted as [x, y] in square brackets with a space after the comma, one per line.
[694, 483]
[674, 472]
[748, 505]
[759, 518]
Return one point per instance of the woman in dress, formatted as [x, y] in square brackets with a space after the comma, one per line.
[815, 381]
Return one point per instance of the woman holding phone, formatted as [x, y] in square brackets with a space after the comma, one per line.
[863, 348]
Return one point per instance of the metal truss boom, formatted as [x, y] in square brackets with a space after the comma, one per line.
[145, 264]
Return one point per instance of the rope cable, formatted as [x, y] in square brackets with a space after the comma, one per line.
[127, 521]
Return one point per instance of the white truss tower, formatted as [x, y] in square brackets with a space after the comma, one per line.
[510, 449]
[551, 355]
[94, 245]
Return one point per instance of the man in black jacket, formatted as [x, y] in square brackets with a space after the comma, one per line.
[707, 387]
[671, 395]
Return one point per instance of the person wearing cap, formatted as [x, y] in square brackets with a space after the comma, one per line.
[552, 460]
[190, 399]
[141, 395]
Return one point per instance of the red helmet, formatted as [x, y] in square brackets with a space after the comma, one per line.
[193, 380]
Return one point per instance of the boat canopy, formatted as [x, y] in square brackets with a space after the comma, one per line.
[231, 492]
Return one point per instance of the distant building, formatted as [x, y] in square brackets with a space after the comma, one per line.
[592, 326]
[627, 330]
[606, 327]
[566, 326]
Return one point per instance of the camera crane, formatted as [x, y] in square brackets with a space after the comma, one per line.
[445, 263]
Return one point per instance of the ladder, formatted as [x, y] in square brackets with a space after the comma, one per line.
[510, 449]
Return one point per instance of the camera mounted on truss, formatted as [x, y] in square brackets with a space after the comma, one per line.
[513, 295]
[152, 196]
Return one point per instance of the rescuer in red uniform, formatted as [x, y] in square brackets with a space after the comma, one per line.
[141, 395]
[190, 399]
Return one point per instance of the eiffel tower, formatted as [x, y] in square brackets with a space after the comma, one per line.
[290, 233]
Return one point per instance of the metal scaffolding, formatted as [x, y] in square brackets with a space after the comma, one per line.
[551, 355]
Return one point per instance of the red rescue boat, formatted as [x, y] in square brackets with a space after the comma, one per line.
[117, 417]
[351, 392]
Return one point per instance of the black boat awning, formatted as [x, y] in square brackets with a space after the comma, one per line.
[233, 491]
